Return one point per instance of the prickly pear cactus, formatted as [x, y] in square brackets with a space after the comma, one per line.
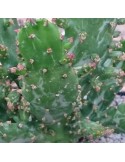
[50, 84]
[60, 87]
[100, 66]
[89, 36]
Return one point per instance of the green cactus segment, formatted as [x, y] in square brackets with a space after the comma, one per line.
[90, 36]
[114, 117]
[50, 86]
[99, 88]
[40, 45]
[99, 66]
[33, 132]
[56, 91]
[19, 133]
[8, 41]
[93, 130]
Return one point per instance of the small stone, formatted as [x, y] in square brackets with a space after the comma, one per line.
[122, 140]
[108, 140]
[102, 140]
[111, 136]
[116, 141]
[118, 136]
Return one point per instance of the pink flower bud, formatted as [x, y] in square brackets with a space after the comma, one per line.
[92, 65]
[70, 56]
[20, 67]
[17, 30]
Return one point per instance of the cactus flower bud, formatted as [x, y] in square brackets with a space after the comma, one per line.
[71, 56]
[20, 67]
[17, 30]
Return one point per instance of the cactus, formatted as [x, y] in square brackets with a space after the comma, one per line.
[99, 63]
[59, 88]
[50, 84]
